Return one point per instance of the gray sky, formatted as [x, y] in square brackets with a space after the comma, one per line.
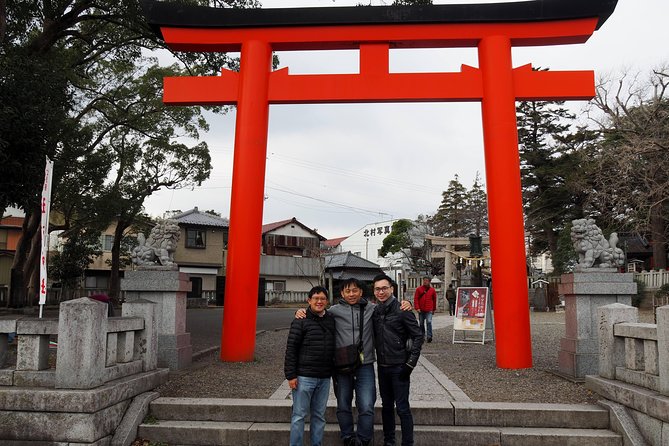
[339, 167]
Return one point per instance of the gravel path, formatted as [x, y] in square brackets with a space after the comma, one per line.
[471, 366]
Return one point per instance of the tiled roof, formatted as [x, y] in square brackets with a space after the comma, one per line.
[363, 275]
[279, 224]
[334, 242]
[11, 222]
[196, 218]
[276, 225]
[347, 260]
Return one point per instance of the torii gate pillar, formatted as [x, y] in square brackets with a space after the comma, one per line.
[246, 204]
[505, 206]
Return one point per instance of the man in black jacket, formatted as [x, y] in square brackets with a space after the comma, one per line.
[398, 340]
[308, 366]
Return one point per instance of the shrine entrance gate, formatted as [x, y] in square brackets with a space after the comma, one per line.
[493, 29]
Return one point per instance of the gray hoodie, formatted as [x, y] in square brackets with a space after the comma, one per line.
[347, 324]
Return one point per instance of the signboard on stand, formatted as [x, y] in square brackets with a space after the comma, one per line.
[471, 313]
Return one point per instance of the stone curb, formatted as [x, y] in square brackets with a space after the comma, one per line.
[126, 432]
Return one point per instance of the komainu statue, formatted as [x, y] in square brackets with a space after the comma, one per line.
[592, 248]
[159, 247]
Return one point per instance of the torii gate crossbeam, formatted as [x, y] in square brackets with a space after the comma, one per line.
[492, 28]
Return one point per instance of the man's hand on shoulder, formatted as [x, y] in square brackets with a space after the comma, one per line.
[301, 313]
[405, 305]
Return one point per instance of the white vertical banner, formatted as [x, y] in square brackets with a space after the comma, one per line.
[45, 206]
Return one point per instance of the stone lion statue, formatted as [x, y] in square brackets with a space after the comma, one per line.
[159, 247]
[592, 248]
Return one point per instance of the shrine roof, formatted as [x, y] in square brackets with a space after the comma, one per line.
[168, 14]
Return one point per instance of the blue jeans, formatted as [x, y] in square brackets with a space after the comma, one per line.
[395, 394]
[425, 316]
[311, 396]
[364, 384]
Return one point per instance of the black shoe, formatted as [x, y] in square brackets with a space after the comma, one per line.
[351, 441]
[429, 340]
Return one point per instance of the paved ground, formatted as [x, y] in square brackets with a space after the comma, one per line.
[428, 383]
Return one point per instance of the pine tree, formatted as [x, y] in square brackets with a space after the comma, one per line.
[543, 133]
[451, 217]
[477, 204]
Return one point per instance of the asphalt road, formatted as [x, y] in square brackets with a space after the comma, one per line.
[205, 324]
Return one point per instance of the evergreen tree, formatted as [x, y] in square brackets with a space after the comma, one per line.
[477, 204]
[546, 158]
[451, 217]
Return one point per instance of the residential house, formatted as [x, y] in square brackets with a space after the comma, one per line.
[291, 258]
[334, 245]
[96, 276]
[10, 232]
[201, 252]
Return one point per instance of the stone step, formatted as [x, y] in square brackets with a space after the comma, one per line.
[204, 433]
[428, 413]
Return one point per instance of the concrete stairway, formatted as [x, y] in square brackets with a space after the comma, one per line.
[183, 421]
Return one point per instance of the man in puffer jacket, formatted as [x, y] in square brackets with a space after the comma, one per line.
[398, 340]
[308, 366]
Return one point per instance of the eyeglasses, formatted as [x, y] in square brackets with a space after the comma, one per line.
[382, 289]
[319, 299]
[351, 290]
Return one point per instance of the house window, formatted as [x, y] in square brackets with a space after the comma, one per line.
[97, 282]
[3, 239]
[107, 242]
[196, 238]
[277, 285]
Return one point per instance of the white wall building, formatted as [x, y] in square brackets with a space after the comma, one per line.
[367, 241]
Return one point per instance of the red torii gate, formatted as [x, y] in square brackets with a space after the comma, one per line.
[492, 28]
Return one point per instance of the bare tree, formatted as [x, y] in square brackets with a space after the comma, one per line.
[632, 175]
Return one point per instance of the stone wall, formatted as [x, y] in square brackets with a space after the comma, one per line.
[102, 367]
[634, 373]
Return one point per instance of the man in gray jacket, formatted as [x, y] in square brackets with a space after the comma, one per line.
[347, 328]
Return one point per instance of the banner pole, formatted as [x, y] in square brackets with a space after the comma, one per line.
[45, 207]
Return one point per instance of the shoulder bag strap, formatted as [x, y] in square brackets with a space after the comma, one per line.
[362, 322]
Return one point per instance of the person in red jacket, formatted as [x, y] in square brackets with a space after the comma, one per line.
[425, 301]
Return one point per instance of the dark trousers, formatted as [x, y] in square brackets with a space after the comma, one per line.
[395, 395]
[451, 307]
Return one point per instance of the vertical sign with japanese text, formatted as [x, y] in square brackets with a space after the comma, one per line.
[45, 207]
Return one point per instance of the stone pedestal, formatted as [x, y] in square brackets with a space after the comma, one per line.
[167, 288]
[584, 292]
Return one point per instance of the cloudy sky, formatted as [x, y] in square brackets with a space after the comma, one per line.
[339, 167]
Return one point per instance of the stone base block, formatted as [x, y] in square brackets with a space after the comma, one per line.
[65, 427]
[175, 351]
[580, 346]
[155, 280]
[24, 399]
[577, 365]
[597, 282]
